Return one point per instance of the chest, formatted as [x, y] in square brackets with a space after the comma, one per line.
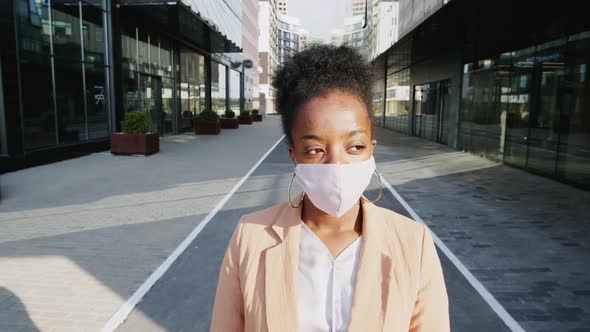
[325, 284]
[335, 244]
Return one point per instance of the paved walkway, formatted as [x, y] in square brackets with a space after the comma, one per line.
[80, 236]
[525, 237]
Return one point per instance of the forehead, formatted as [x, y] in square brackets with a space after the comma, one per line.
[333, 111]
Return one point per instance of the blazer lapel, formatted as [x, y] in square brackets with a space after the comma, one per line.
[374, 277]
[281, 266]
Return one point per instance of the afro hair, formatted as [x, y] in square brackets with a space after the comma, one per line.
[318, 71]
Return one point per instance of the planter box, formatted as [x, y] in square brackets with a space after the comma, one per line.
[257, 118]
[246, 120]
[207, 127]
[128, 144]
[230, 123]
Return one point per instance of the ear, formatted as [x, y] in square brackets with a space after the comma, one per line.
[292, 153]
[374, 143]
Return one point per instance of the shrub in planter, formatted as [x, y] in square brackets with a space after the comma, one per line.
[207, 123]
[256, 116]
[229, 121]
[135, 138]
[229, 114]
[245, 118]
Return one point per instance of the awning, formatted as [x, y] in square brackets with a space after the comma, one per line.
[178, 19]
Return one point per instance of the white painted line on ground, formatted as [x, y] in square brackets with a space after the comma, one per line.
[121, 315]
[485, 294]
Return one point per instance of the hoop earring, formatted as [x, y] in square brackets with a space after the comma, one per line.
[300, 201]
[380, 189]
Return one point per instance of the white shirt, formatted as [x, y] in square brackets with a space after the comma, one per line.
[325, 285]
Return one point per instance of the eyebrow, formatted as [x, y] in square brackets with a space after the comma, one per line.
[316, 137]
[355, 132]
[309, 137]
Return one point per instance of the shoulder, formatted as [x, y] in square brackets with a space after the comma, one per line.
[255, 227]
[400, 223]
[404, 234]
[264, 217]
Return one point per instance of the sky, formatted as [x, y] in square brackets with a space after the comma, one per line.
[318, 17]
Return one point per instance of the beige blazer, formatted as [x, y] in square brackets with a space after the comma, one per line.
[399, 285]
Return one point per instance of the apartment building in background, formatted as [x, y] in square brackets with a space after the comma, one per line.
[384, 26]
[281, 36]
[290, 36]
[250, 34]
[336, 37]
[282, 7]
[356, 33]
[358, 7]
[268, 46]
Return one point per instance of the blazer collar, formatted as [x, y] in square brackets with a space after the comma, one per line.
[374, 275]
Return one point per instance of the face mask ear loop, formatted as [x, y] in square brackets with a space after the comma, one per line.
[289, 190]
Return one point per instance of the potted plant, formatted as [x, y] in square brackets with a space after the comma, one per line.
[229, 121]
[256, 116]
[245, 118]
[207, 123]
[135, 138]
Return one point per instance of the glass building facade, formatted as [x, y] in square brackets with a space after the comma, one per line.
[519, 99]
[219, 87]
[61, 48]
[528, 108]
[193, 92]
[79, 65]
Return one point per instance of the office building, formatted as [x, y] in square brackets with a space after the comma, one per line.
[71, 69]
[251, 32]
[494, 79]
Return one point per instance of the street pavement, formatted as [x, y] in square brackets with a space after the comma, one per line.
[79, 237]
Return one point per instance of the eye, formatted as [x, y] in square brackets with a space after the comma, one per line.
[357, 148]
[314, 151]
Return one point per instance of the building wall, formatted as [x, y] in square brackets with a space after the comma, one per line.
[355, 36]
[337, 37]
[225, 15]
[384, 26]
[358, 7]
[250, 51]
[529, 108]
[514, 96]
[414, 12]
[268, 48]
[74, 79]
[282, 7]
[443, 67]
[289, 33]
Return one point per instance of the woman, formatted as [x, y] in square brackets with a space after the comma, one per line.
[329, 260]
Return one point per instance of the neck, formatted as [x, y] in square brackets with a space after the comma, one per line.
[327, 223]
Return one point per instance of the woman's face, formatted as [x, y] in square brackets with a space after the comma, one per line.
[332, 129]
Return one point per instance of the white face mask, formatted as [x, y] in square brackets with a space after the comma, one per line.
[335, 188]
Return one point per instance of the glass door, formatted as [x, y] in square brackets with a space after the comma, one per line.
[420, 98]
[519, 96]
[169, 124]
[443, 113]
[427, 112]
[549, 71]
[150, 101]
